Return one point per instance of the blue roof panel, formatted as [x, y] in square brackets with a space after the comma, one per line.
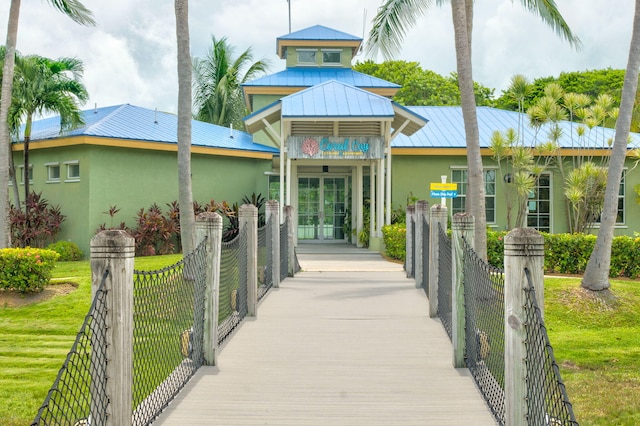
[307, 77]
[134, 123]
[318, 32]
[335, 99]
[446, 130]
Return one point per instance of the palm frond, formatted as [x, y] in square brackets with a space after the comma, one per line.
[550, 15]
[75, 10]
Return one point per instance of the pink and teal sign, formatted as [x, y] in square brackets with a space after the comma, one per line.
[347, 148]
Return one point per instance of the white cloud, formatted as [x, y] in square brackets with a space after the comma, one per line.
[130, 56]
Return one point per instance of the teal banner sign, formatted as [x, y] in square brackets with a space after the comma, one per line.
[347, 148]
[444, 194]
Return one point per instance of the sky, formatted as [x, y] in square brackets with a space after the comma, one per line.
[130, 56]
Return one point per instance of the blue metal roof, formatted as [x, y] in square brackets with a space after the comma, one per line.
[335, 99]
[141, 124]
[307, 77]
[446, 130]
[318, 32]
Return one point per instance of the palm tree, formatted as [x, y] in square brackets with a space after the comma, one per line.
[390, 24]
[218, 80]
[185, 195]
[596, 274]
[80, 14]
[43, 85]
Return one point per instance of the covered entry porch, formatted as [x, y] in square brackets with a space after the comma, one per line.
[335, 159]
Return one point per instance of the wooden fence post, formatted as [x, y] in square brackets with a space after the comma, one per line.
[410, 247]
[438, 217]
[523, 248]
[114, 251]
[421, 214]
[273, 218]
[291, 262]
[463, 225]
[209, 224]
[248, 220]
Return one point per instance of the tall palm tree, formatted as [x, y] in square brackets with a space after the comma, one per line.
[185, 194]
[596, 274]
[390, 24]
[77, 12]
[218, 79]
[43, 85]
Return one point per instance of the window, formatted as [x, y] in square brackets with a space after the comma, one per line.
[21, 174]
[539, 204]
[53, 172]
[274, 187]
[73, 171]
[459, 176]
[332, 57]
[306, 57]
[620, 215]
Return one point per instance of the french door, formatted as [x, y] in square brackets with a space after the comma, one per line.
[321, 208]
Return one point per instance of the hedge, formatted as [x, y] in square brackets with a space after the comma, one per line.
[395, 240]
[564, 253]
[26, 269]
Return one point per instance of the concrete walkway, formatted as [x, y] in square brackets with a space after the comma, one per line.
[347, 341]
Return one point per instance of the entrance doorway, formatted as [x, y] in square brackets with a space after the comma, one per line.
[321, 208]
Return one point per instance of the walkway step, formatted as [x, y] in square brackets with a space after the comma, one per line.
[335, 348]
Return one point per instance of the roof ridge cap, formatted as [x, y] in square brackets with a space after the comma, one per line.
[104, 119]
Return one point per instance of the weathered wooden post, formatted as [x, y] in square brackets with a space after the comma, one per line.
[438, 218]
[523, 248]
[462, 226]
[419, 268]
[291, 262]
[209, 225]
[273, 219]
[114, 251]
[248, 220]
[410, 249]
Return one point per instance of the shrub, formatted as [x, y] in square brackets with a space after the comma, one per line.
[495, 248]
[26, 270]
[395, 240]
[37, 228]
[68, 251]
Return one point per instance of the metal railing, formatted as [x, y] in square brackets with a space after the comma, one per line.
[444, 279]
[168, 327]
[75, 397]
[484, 331]
[233, 285]
[547, 400]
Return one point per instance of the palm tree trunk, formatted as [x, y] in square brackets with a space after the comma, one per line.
[596, 275]
[185, 196]
[5, 103]
[475, 202]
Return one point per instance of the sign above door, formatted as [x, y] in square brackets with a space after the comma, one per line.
[335, 148]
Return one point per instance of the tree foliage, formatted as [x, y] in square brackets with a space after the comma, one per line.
[421, 87]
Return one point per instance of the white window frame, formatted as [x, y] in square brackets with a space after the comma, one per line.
[462, 190]
[315, 56]
[621, 196]
[338, 51]
[50, 167]
[20, 174]
[537, 199]
[70, 164]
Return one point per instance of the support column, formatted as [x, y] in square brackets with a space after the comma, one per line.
[523, 248]
[291, 262]
[388, 191]
[272, 214]
[373, 228]
[380, 184]
[248, 219]
[209, 225]
[463, 226]
[114, 251]
[360, 203]
[410, 247]
[438, 217]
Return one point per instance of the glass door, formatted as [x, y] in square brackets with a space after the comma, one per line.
[321, 208]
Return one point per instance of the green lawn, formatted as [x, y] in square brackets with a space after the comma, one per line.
[35, 339]
[596, 343]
